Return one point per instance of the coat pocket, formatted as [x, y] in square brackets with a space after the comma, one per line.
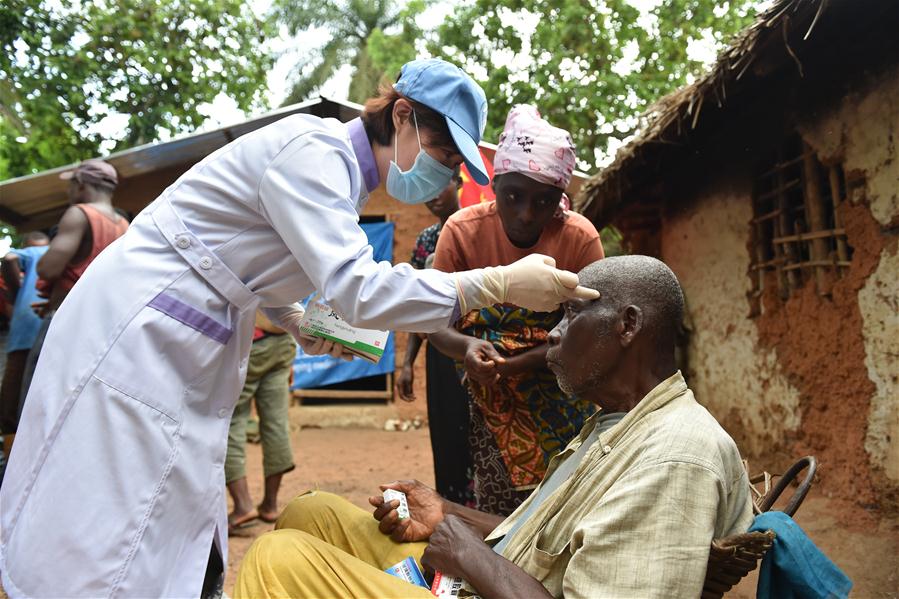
[158, 357]
[98, 499]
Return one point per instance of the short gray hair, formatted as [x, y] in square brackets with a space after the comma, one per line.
[644, 282]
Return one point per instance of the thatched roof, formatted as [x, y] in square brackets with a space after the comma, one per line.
[776, 48]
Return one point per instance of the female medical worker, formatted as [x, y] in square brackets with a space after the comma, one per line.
[116, 484]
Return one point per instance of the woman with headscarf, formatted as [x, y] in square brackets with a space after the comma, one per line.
[519, 416]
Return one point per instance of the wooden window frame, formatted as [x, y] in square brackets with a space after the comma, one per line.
[796, 233]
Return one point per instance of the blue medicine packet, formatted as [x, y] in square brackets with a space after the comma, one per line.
[409, 571]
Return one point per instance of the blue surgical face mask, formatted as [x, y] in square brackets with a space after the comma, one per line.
[423, 182]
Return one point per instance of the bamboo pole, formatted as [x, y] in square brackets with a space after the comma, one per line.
[788, 251]
[780, 188]
[836, 196]
[783, 287]
[809, 236]
[782, 165]
[814, 263]
[755, 306]
[814, 212]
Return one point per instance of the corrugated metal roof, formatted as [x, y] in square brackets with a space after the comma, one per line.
[27, 201]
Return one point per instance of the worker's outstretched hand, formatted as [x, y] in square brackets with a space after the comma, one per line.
[425, 511]
[533, 282]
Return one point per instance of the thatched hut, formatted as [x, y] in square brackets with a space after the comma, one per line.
[771, 187]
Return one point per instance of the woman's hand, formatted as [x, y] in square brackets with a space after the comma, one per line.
[425, 511]
[482, 361]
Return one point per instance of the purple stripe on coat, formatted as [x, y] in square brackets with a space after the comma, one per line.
[192, 317]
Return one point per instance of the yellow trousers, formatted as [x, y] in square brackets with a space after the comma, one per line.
[324, 547]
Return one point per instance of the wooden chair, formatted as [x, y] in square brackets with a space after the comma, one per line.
[732, 558]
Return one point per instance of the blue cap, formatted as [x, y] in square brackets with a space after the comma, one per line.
[445, 88]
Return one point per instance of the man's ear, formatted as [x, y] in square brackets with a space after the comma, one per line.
[402, 112]
[631, 324]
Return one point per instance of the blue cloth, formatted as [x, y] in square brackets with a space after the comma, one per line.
[794, 567]
[24, 325]
[310, 372]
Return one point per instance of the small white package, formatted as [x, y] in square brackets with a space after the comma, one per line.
[322, 321]
[447, 587]
[403, 509]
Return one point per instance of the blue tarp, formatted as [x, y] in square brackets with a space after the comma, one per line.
[318, 371]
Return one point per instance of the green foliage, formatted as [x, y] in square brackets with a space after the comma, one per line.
[573, 59]
[66, 65]
[357, 29]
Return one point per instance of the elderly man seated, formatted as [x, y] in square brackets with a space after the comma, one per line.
[628, 509]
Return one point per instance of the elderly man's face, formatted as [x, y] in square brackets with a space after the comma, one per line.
[584, 347]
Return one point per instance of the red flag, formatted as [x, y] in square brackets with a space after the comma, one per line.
[472, 193]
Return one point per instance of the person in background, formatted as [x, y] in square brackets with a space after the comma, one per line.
[447, 399]
[87, 226]
[268, 380]
[519, 416]
[19, 271]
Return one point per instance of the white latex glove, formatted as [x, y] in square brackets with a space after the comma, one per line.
[532, 282]
[289, 319]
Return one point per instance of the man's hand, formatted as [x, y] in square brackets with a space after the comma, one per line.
[404, 384]
[425, 511]
[452, 544]
[482, 361]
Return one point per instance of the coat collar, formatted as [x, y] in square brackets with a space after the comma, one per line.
[362, 149]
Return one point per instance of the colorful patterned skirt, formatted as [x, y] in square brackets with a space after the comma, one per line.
[520, 422]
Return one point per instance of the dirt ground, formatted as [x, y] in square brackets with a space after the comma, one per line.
[353, 462]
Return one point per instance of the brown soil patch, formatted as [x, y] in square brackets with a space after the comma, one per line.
[820, 346]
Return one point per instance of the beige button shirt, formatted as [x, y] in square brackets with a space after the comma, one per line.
[639, 513]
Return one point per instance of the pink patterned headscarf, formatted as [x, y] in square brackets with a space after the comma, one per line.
[531, 146]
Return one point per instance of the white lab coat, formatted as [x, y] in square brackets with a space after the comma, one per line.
[116, 485]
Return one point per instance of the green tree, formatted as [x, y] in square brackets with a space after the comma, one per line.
[352, 25]
[66, 65]
[575, 56]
